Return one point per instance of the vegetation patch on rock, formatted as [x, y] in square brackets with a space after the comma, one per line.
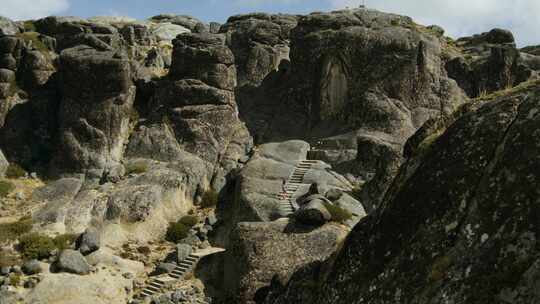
[210, 199]
[36, 246]
[12, 231]
[176, 232]
[5, 188]
[15, 171]
[189, 220]
[339, 214]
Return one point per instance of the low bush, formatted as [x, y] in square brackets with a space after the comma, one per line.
[189, 220]
[12, 231]
[15, 171]
[136, 168]
[339, 214]
[176, 232]
[5, 188]
[36, 246]
[15, 280]
[210, 199]
[64, 241]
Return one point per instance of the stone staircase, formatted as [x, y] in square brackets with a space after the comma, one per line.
[159, 284]
[292, 185]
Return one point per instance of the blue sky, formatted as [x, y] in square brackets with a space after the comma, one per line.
[458, 17]
[207, 10]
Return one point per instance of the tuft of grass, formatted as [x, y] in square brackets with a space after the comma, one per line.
[12, 231]
[210, 199]
[36, 246]
[29, 26]
[339, 214]
[64, 241]
[439, 268]
[136, 168]
[425, 146]
[176, 232]
[5, 188]
[509, 90]
[33, 37]
[15, 280]
[15, 171]
[189, 220]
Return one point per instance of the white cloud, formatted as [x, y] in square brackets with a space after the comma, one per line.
[31, 9]
[466, 17]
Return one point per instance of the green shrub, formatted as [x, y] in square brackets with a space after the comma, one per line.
[36, 246]
[210, 199]
[29, 26]
[176, 232]
[5, 188]
[339, 214]
[189, 220]
[15, 280]
[136, 168]
[64, 241]
[439, 268]
[15, 171]
[11, 231]
[34, 38]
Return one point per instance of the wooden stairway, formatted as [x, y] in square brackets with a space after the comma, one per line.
[292, 185]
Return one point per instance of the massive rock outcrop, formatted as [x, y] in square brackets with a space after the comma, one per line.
[460, 223]
[261, 181]
[198, 102]
[259, 42]
[360, 82]
[261, 253]
[94, 115]
[489, 62]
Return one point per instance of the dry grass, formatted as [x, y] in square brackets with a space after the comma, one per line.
[520, 88]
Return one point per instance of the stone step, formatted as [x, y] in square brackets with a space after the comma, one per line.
[156, 285]
[146, 294]
[154, 289]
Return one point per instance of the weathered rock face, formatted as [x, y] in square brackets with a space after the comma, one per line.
[95, 109]
[10, 55]
[490, 62]
[355, 76]
[460, 222]
[259, 43]
[261, 181]
[8, 27]
[189, 22]
[261, 251]
[3, 164]
[199, 105]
